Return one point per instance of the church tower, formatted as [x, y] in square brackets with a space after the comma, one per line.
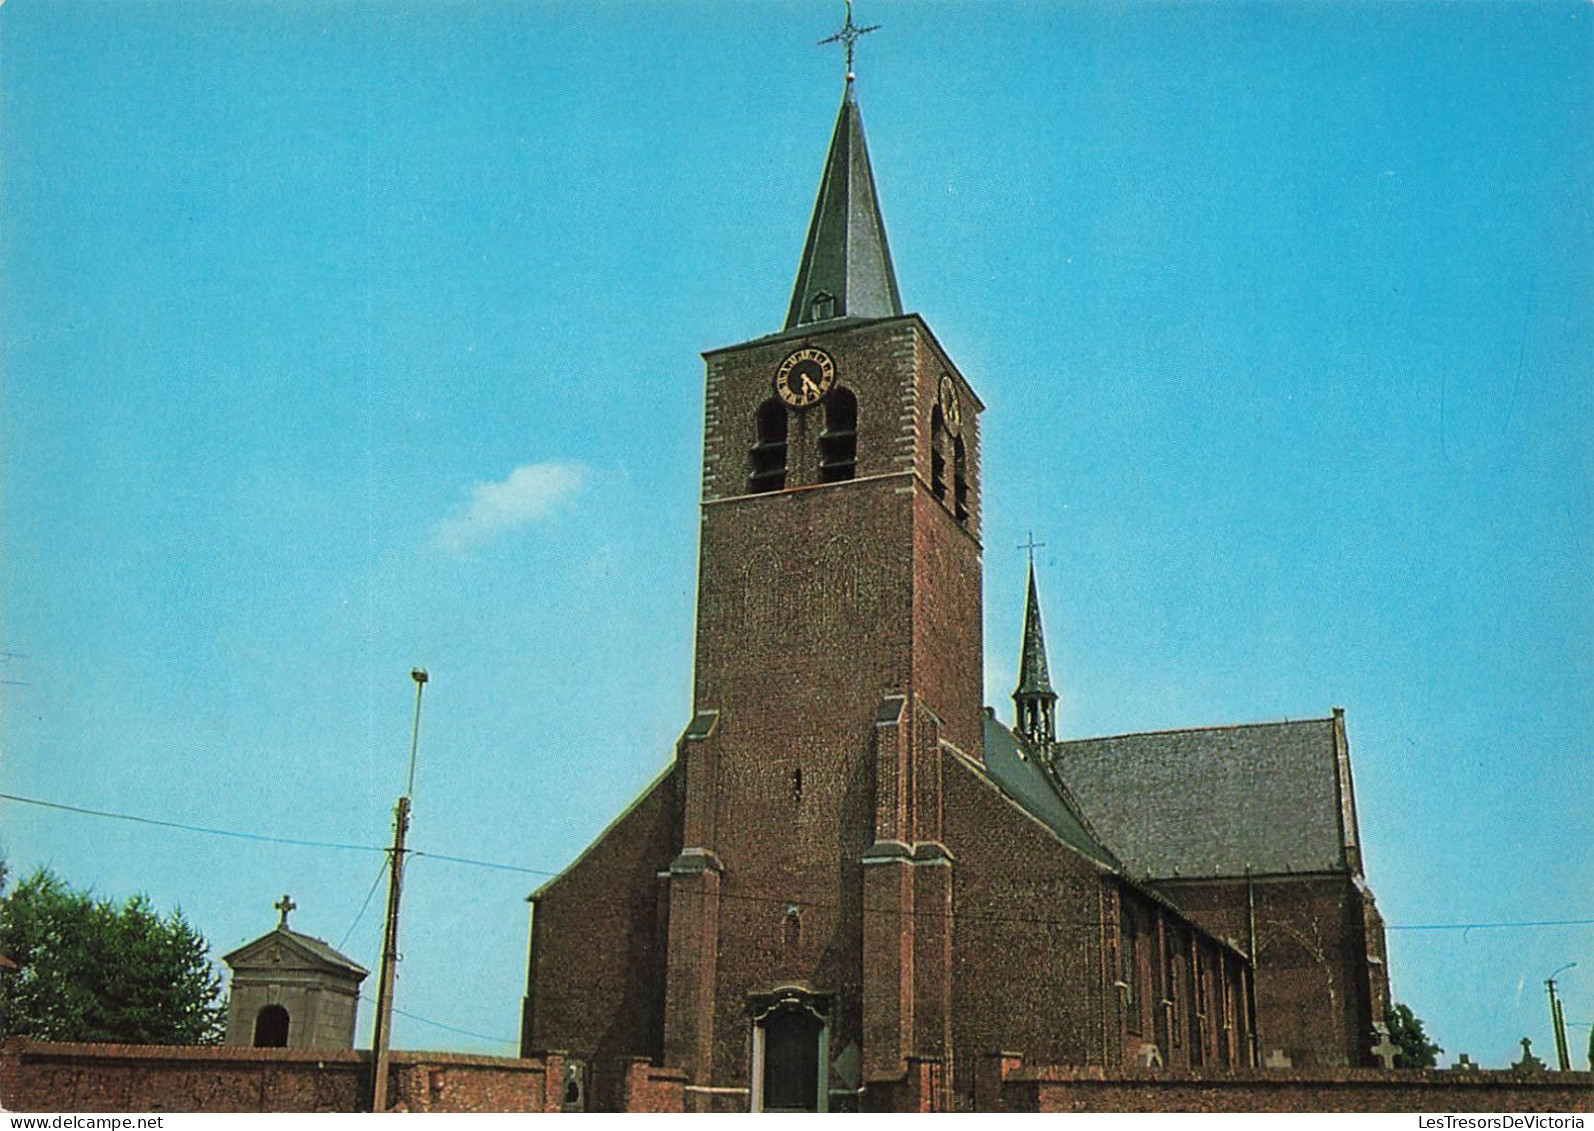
[838, 649]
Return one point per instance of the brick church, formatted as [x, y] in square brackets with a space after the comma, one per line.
[854, 884]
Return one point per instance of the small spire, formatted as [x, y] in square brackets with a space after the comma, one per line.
[846, 268]
[1034, 698]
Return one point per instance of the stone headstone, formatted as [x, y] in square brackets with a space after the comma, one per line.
[1277, 1058]
[1149, 1056]
[1464, 1063]
[1384, 1049]
[1529, 1062]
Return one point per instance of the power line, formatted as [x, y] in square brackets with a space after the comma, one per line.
[189, 828]
[454, 1028]
[482, 863]
[1487, 926]
[441, 1025]
[499, 866]
[380, 872]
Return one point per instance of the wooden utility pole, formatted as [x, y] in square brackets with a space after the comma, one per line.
[1563, 1055]
[395, 887]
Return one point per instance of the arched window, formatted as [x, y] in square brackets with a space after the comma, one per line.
[769, 449]
[271, 1028]
[938, 453]
[821, 306]
[838, 443]
[960, 480]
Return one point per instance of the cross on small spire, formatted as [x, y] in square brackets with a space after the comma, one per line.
[849, 34]
[1031, 545]
[284, 905]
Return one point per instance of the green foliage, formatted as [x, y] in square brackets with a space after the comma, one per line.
[93, 970]
[1406, 1033]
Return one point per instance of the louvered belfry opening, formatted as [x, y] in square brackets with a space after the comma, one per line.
[938, 439]
[769, 449]
[838, 443]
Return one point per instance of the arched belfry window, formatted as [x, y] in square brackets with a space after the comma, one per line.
[271, 1028]
[769, 449]
[938, 440]
[960, 480]
[791, 1053]
[838, 444]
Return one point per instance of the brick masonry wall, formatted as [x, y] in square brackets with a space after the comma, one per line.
[43, 1077]
[1028, 964]
[597, 962]
[1344, 1090]
[1313, 992]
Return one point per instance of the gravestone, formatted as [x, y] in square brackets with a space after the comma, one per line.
[1384, 1049]
[1529, 1062]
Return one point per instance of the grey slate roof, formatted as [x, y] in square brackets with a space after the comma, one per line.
[316, 948]
[846, 256]
[1019, 774]
[1217, 801]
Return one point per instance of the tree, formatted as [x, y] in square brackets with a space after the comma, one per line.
[95, 970]
[1406, 1033]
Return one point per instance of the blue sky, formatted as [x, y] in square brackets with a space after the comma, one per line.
[344, 338]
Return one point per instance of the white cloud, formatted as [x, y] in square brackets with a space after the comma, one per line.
[526, 494]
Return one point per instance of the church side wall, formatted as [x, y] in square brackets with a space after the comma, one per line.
[948, 626]
[948, 587]
[1027, 965]
[1314, 991]
[596, 982]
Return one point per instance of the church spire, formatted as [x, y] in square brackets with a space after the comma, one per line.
[1034, 699]
[846, 269]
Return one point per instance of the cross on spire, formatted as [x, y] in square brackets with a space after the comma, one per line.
[284, 905]
[1031, 545]
[849, 34]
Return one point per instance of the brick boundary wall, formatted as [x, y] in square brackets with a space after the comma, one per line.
[1004, 1084]
[42, 1076]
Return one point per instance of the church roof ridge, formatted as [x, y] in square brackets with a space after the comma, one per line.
[1195, 730]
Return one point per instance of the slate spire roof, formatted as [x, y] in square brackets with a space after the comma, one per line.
[1034, 698]
[1033, 678]
[846, 269]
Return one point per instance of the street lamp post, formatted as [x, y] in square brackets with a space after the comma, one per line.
[395, 886]
[1563, 1055]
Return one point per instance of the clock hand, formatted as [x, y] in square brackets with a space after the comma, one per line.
[810, 390]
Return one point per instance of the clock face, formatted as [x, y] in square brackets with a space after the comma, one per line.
[947, 397]
[805, 377]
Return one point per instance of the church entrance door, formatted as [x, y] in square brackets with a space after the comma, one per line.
[791, 1054]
